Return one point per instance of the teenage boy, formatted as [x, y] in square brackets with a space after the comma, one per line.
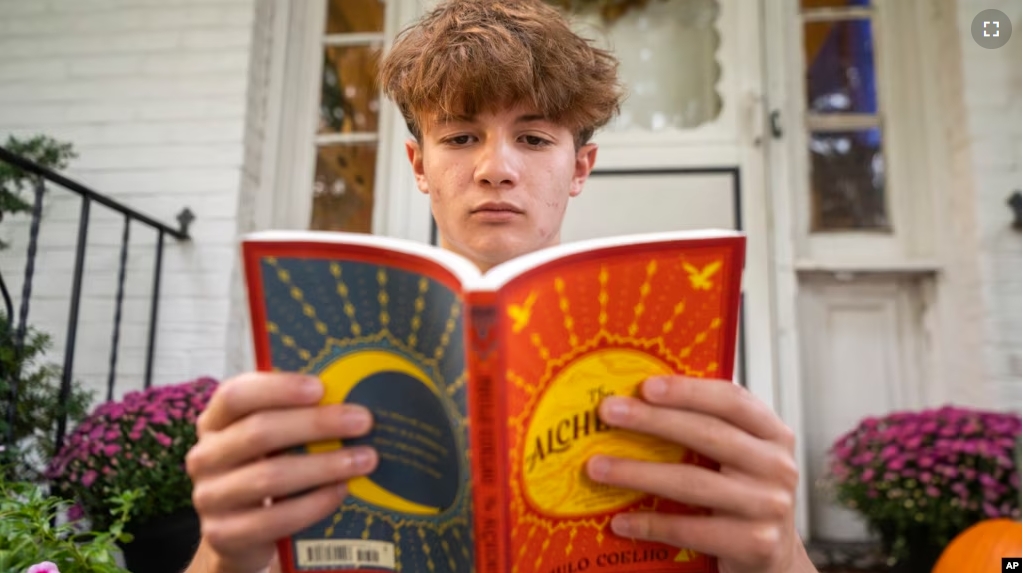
[501, 98]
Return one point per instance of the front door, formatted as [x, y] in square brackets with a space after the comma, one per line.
[853, 235]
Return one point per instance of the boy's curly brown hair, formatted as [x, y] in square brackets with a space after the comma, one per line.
[472, 56]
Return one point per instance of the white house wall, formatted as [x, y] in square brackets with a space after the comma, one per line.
[991, 96]
[154, 96]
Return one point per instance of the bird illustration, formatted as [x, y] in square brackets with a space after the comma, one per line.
[520, 313]
[700, 278]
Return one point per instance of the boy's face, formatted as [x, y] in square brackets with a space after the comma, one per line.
[498, 182]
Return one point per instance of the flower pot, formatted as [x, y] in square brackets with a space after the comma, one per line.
[163, 544]
[923, 551]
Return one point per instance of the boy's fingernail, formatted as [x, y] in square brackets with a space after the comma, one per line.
[363, 460]
[599, 467]
[311, 387]
[620, 525]
[616, 408]
[656, 387]
[356, 416]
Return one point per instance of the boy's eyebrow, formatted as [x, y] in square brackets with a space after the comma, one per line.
[530, 117]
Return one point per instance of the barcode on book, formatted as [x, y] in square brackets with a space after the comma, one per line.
[345, 553]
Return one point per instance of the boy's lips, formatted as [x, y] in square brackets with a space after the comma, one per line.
[495, 212]
[496, 206]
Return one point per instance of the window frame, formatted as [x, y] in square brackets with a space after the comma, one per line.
[399, 209]
[899, 79]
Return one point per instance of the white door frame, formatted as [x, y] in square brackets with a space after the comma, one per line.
[777, 48]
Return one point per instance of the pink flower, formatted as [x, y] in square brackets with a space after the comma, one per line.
[163, 439]
[987, 481]
[159, 417]
[44, 567]
[990, 510]
[89, 478]
[75, 512]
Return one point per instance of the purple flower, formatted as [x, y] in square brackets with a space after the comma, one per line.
[75, 512]
[44, 567]
[89, 478]
[162, 439]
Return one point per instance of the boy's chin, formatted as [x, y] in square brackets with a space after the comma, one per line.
[492, 253]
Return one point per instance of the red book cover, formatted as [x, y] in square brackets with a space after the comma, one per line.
[484, 390]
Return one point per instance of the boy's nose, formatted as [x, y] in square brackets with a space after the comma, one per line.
[496, 165]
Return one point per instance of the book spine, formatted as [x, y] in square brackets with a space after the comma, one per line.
[487, 435]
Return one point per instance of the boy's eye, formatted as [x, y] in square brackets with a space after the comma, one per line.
[460, 139]
[535, 141]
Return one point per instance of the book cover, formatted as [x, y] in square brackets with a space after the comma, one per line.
[484, 393]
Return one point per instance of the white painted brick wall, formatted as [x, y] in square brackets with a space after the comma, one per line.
[156, 97]
[991, 94]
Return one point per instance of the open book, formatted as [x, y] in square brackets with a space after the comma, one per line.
[484, 389]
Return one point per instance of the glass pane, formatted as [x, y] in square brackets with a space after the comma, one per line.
[840, 76]
[347, 16]
[343, 188]
[349, 99]
[848, 181]
[668, 55]
[813, 4]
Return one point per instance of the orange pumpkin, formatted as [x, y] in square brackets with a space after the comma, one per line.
[981, 547]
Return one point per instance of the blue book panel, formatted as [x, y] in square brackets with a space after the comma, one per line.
[392, 341]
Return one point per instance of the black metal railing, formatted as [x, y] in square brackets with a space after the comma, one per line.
[41, 176]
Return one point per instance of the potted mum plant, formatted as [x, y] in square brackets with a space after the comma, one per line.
[35, 538]
[921, 478]
[139, 442]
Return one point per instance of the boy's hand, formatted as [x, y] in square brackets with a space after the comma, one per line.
[752, 529]
[234, 470]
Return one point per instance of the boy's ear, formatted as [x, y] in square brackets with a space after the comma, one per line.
[585, 158]
[415, 156]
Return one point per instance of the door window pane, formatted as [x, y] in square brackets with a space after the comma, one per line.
[848, 181]
[349, 98]
[669, 62]
[348, 16]
[343, 188]
[840, 67]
